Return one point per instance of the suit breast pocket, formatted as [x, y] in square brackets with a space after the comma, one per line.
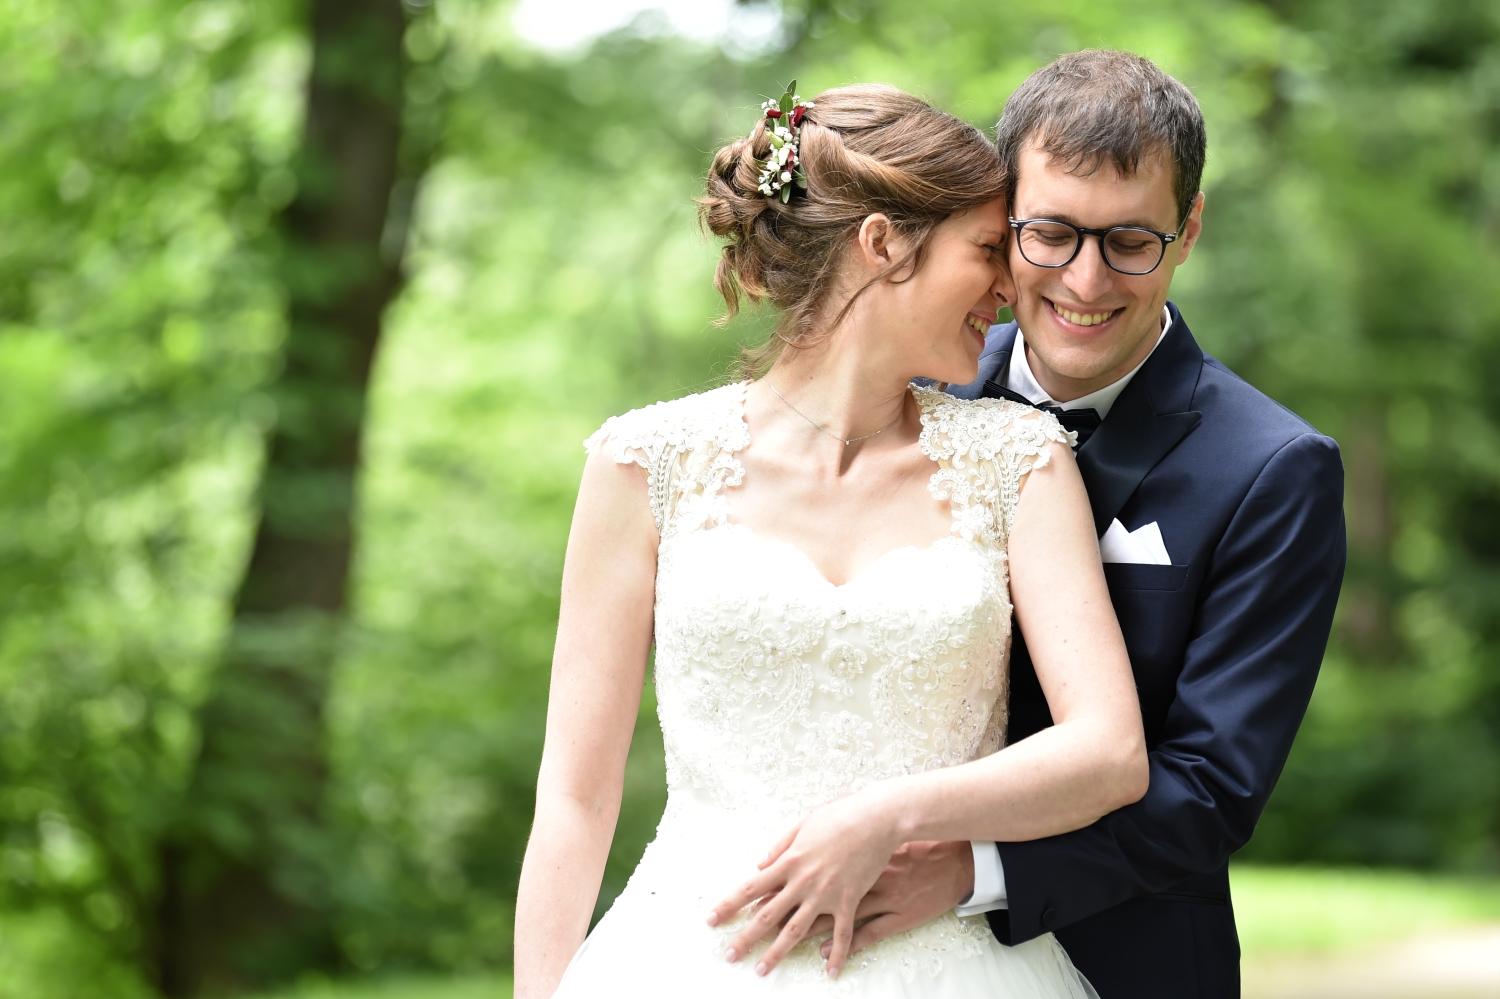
[1129, 576]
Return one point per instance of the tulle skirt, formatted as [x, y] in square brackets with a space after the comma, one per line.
[655, 939]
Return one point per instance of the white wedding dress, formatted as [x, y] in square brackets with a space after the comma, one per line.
[778, 690]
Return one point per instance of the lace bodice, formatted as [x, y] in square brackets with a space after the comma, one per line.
[778, 690]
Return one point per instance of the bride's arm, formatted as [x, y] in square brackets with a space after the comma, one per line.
[598, 668]
[1090, 762]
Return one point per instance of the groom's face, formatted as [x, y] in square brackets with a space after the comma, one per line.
[1087, 325]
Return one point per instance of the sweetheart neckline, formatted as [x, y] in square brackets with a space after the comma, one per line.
[743, 419]
[807, 561]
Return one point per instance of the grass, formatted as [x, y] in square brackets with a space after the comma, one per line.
[1284, 911]
[405, 987]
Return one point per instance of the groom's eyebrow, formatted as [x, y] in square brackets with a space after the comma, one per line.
[1140, 223]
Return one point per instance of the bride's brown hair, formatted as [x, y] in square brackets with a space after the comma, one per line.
[864, 149]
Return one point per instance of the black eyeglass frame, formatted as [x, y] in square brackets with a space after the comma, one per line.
[1166, 238]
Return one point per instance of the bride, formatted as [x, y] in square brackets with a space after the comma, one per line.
[826, 558]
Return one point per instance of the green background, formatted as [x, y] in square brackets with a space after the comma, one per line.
[151, 155]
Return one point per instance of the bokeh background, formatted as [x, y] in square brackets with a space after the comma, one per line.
[305, 306]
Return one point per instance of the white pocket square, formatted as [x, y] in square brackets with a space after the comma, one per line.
[1142, 546]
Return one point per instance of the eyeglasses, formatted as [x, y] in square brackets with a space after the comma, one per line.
[1129, 249]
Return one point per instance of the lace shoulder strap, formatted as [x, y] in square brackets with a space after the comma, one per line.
[984, 448]
[687, 448]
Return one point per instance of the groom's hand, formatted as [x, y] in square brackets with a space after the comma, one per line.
[921, 882]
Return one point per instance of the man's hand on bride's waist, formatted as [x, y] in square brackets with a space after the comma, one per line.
[924, 880]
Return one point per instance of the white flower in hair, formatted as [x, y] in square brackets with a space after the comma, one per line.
[783, 164]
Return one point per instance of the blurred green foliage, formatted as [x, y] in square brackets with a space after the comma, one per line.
[556, 276]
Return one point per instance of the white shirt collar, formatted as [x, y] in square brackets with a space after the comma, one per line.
[1020, 380]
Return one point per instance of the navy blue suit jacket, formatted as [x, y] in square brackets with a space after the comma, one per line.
[1225, 644]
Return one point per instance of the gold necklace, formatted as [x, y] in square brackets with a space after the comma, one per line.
[846, 441]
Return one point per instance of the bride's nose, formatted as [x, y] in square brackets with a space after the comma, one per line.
[1004, 286]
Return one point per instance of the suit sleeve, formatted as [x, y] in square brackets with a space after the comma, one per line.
[1265, 612]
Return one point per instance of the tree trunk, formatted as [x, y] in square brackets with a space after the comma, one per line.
[246, 896]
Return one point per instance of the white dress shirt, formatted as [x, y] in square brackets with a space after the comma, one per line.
[989, 875]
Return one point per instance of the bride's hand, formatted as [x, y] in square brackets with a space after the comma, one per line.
[822, 866]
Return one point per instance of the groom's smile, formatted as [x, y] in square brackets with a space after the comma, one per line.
[1086, 323]
[1083, 319]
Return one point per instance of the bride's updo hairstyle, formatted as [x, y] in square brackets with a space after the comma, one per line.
[863, 149]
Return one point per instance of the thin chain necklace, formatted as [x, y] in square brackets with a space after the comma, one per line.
[846, 441]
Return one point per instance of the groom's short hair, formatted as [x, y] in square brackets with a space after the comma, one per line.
[1088, 107]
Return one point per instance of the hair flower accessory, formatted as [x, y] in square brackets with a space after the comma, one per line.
[783, 167]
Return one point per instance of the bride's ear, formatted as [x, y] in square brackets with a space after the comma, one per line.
[878, 244]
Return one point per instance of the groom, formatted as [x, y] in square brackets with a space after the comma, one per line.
[1221, 528]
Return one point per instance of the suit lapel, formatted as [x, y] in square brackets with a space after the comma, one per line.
[1148, 419]
[994, 386]
[993, 363]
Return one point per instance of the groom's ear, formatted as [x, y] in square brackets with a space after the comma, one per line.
[1193, 229]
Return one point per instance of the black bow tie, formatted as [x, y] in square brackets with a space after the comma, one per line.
[1083, 422]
